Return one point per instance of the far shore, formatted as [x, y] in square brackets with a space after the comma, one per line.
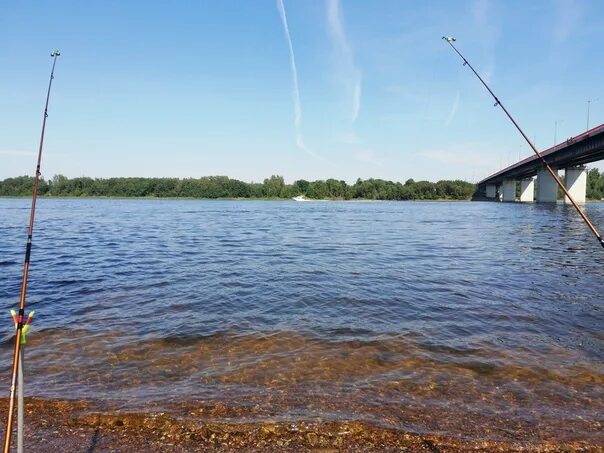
[356, 200]
[353, 200]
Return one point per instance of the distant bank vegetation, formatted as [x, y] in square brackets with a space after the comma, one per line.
[224, 187]
[595, 184]
[273, 187]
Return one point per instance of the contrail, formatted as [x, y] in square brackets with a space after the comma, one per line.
[296, 89]
[453, 110]
[356, 97]
[351, 74]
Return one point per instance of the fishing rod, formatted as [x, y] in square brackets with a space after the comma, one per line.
[20, 319]
[593, 229]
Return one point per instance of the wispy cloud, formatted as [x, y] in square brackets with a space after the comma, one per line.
[296, 88]
[487, 26]
[459, 157]
[480, 12]
[349, 138]
[356, 98]
[453, 111]
[369, 157]
[567, 14]
[16, 153]
[350, 75]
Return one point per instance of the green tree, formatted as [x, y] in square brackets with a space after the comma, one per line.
[302, 185]
[272, 186]
[595, 184]
[317, 190]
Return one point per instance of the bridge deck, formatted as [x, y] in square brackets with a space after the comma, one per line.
[582, 149]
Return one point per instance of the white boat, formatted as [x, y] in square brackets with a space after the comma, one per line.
[299, 198]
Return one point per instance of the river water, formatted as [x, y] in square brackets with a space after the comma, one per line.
[469, 319]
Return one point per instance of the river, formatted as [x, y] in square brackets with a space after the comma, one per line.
[465, 318]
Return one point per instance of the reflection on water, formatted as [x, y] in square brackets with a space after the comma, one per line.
[456, 318]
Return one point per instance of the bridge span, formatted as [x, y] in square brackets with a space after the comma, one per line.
[570, 155]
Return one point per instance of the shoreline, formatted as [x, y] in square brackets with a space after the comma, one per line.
[351, 200]
[78, 426]
[28, 197]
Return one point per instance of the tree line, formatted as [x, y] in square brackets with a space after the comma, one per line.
[225, 187]
[595, 184]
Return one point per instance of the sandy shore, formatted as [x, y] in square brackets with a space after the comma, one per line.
[53, 425]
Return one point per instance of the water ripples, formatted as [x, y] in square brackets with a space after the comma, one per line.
[370, 311]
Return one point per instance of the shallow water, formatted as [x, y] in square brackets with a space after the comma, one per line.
[471, 319]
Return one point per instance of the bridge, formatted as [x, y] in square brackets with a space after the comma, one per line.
[570, 155]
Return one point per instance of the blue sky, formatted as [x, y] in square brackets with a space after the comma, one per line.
[190, 89]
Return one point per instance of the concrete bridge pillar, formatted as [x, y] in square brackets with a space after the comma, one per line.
[576, 183]
[547, 188]
[491, 190]
[527, 190]
[509, 190]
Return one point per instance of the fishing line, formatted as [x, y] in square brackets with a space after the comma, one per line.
[20, 321]
[593, 229]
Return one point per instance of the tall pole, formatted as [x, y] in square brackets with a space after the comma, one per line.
[589, 101]
[593, 229]
[30, 231]
[556, 132]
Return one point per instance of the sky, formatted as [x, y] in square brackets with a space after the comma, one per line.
[306, 89]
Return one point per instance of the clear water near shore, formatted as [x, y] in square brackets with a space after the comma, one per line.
[456, 318]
